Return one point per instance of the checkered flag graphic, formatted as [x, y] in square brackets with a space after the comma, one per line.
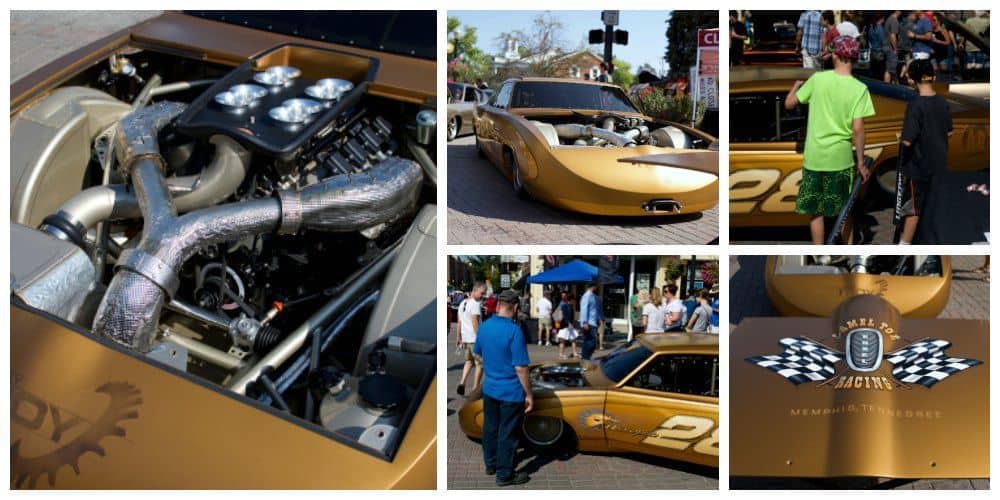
[926, 363]
[802, 361]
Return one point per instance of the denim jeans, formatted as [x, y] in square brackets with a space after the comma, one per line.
[501, 432]
[589, 342]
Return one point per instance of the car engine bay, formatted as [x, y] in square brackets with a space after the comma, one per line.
[612, 130]
[268, 228]
[895, 265]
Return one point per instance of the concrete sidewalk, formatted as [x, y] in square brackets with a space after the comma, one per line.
[39, 37]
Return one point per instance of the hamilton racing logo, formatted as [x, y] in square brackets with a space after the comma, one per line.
[65, 435]
[924, 362]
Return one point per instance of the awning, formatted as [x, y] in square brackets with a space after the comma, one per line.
[576, 271]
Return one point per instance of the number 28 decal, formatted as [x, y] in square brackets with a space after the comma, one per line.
[680, 432]
[748, 187]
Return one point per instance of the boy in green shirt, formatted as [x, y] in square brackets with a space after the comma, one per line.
[838, 103]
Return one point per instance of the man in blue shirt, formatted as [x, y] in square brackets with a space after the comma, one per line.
[506, 389]
[922, 34]
[591, 317]
[713, 324]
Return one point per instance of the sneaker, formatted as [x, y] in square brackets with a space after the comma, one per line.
[518, 478]
[491, 471]
[461, 390]
[548, 344]
[562, 356]
[539, 342]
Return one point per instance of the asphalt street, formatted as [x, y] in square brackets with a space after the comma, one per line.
[483, 210]
[577, 471]
[969, 299]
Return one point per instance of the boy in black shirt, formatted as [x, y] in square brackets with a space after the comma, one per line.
[925, 139]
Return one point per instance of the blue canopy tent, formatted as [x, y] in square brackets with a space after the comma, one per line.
[576, 271]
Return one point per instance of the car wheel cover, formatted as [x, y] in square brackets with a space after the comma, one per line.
[453, 128]
[543, 431]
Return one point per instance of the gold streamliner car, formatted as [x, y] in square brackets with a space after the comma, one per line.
[659, 396]
[222, 247]
[584, 146]
[767, 141]
[859, 381]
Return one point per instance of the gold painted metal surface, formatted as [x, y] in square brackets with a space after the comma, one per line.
[821, 294]
[592, 179]
[856, 423]
[610, 417]
[764, 177]
[128, 423]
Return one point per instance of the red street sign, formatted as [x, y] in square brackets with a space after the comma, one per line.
[708, 38]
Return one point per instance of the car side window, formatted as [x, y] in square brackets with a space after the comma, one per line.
[470, 94]
[694, 374]
[763, 118]
[502, 99]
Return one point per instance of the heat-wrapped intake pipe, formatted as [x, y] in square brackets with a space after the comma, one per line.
[147, 275]
[219, 180]
[573, 131]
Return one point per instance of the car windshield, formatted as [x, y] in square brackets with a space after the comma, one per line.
[618, 364]
[562, 95]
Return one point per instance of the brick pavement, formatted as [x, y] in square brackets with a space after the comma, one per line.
[969, 299]
[578, 471]
[39, 37]
[483, 210]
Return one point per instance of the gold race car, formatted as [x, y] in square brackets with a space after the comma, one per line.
[584, 146]
[659, 396]
[222, 253]
[766, 141]
[814, 285]
[861, 393]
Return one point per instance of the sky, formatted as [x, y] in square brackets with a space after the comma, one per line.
[646, 29]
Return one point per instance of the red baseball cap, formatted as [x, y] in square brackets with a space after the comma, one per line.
[846, 47]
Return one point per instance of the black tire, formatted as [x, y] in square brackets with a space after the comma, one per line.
[479, 150]
[453, 124]
[515, 176]
[886, 177]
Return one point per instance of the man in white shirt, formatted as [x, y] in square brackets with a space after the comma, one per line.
[469, 314]
[674, 318]
[544, 311]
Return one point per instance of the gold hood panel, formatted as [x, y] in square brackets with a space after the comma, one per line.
[856, 422]
[123, 422]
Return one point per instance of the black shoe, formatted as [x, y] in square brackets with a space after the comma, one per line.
[461, 390]
[491, 471]
[518, 478]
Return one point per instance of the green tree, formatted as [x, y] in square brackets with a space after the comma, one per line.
[682, 37]
[622, 76]
[466, 61]
[536, 45]
[485, 267]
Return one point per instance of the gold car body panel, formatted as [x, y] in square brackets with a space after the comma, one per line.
[820, 294]
[764, 177]
[399, 77]
[613, 417]
[126, 422]
[858, 424]
[591, 179]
